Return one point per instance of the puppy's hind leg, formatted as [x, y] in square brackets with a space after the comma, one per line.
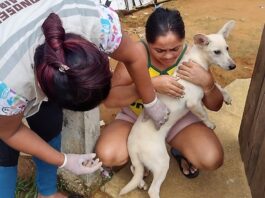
[159, 175]
[137, 177]
[195, 106]
[142, 184]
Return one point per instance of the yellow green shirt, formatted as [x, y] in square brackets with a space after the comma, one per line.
[138, 106]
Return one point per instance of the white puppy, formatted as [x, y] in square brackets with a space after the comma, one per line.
[146, 146]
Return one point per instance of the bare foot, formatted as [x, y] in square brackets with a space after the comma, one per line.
[187, 169]
[185, 166]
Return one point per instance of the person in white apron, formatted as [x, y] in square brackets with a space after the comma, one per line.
[57, 51]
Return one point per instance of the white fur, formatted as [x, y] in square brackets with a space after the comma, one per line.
[147, 146]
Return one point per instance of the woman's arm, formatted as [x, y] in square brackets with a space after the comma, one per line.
[134, 58]
[14, 133]
[213, 98]
[123, 91]
[121, 96]
[18, 136]
[193, 72]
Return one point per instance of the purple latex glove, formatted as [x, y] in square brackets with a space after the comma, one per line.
[157, 111]
[81, 163]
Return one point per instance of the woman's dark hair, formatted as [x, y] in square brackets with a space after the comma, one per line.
[87, 81]
[163, 20]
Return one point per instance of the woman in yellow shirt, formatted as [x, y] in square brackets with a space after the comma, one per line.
[164, 48]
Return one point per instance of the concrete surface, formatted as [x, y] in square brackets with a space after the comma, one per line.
[80, 133]
[229, 181]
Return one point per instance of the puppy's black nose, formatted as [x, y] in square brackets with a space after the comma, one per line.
[233, 66]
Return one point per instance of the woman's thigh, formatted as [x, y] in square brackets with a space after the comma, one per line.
[111, 147]
[200, 146]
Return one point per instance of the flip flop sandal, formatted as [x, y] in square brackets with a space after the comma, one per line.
[179, 157]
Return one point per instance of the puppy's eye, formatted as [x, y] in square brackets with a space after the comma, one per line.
[217, 52]
[227, 48]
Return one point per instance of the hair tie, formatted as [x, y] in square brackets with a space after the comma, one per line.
[63, 68]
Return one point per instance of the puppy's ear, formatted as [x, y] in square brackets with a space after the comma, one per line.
[201, 40]
[225, 30]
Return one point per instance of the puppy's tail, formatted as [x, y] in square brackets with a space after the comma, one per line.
[137, 177]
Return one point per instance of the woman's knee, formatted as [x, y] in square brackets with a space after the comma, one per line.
[200, 145]
[111, 155]
[111, 147]
[212, 159]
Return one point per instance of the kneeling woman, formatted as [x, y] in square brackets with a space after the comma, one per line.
[164, 48]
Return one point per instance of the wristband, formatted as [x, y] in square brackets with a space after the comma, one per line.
[64, 162]
[151, 103]
[209, 90]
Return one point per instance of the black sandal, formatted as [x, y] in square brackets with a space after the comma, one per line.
[179, 157]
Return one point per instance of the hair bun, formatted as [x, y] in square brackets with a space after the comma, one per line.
[53, 31]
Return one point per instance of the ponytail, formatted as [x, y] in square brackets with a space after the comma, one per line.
[54, 33]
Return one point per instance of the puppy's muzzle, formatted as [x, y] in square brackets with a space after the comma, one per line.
[231, 67]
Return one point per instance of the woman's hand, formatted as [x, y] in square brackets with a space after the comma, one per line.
[168, 85]
[80, 164]
[196, 74]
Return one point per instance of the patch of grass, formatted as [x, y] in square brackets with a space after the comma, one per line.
[26, 188]
[61, 185]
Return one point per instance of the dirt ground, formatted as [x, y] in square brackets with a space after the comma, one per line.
[207, 16]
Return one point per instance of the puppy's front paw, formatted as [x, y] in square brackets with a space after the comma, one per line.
[227, 97]
[227, 100]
